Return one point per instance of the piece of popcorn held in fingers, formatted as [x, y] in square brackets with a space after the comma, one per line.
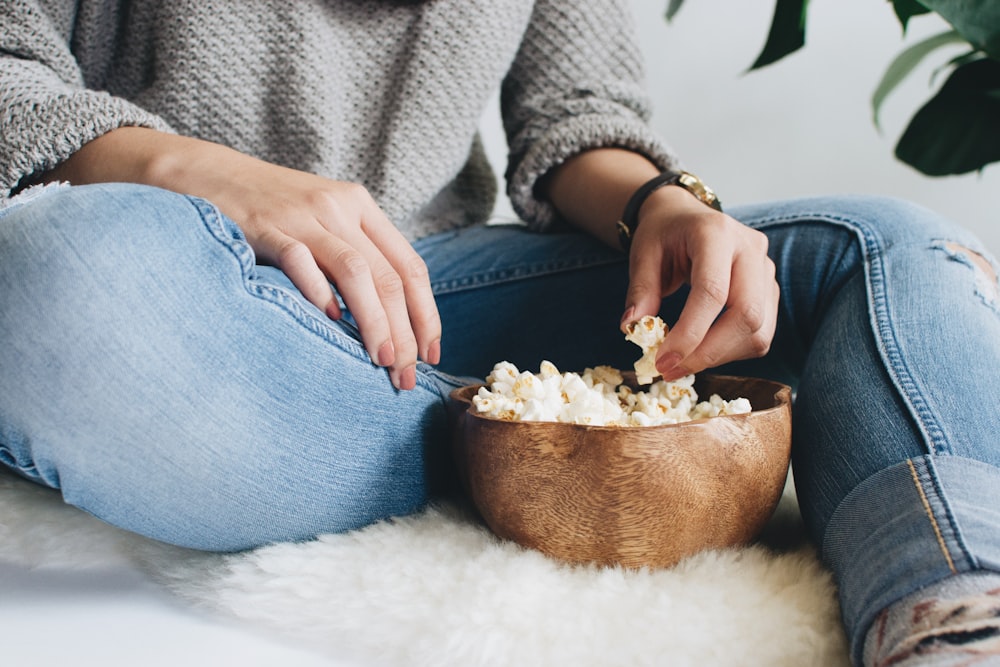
[647, 332]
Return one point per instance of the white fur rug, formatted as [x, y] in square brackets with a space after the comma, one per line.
[436, 589]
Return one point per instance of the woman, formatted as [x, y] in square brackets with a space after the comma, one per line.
[240, 322]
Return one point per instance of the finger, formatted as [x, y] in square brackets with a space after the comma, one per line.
[297, 262]
[388, 305]
[711, 270]
[645, 283]
[350, 272]
[392, 293]
[745, 330]
[421, 307]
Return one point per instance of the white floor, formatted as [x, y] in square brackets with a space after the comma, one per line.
[117, 616]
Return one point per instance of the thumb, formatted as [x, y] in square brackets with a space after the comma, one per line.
[645, 286]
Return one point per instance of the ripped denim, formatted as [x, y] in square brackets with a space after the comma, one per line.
[985, 272]
[165, 382]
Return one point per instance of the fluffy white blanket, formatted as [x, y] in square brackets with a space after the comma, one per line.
[437, 589]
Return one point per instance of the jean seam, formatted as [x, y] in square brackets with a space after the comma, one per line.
[438, 381]
[237, 245]
[931, 518]
[927, 423]
[500, 276]
[212, 219]
[843, 547]
[968, 561]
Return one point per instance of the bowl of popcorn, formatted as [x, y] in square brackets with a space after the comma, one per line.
[619, 468]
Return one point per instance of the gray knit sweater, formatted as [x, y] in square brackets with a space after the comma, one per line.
[387, 93]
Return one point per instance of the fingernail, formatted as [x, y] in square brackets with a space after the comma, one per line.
[666, 363]
[676, 374]
[386, 354]
[405, 379]
[627, 317]
[333, 310]
[433, 352]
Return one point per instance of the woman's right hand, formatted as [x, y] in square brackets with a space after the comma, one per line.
[732, 309]
[314, 229]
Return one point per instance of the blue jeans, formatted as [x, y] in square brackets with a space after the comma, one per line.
[164, 382]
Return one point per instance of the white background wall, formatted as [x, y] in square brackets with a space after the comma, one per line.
[801, 126]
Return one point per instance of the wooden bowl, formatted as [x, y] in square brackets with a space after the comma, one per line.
[633, 496]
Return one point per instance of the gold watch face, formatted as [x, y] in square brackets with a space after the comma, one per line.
[695, 186]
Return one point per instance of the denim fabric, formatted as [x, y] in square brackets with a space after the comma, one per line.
[893, 335]
[166, 383]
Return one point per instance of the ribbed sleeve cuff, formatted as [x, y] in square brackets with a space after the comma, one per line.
[40, 134]
[564, 140]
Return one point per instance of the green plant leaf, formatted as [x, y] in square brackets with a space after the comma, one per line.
[966, 57]
[904, 63]
[673, 8]
[961, 59]
[957, 130]
[977, 20]
[787, 34]
[907, 9]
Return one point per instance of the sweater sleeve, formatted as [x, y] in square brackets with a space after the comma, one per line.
[46, 111]
[575, 84]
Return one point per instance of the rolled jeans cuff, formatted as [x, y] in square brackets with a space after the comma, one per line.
[909, 526]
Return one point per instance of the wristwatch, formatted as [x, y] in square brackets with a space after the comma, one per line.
[630, 216]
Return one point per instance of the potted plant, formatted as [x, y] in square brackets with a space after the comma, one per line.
[958, 129]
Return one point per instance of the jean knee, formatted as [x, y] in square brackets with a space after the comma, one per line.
[75, 232]
[986, 285]
[95, 207]
[879, 221]
[887, 221]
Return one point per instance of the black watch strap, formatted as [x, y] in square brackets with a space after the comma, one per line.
[630, 216]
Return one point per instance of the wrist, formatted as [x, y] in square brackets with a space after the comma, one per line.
[682, 188]
[116, 156]
[184, 164]
[669, 198]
